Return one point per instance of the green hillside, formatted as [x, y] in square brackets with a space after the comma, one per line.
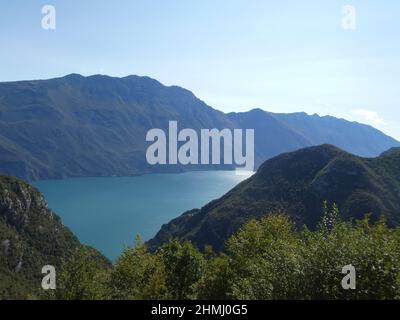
[297, 183]
[31, 236]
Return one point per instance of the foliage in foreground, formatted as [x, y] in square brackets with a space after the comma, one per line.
[266, 259]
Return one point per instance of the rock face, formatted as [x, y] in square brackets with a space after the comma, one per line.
[78, 126]
[31, 236]
[297, 183]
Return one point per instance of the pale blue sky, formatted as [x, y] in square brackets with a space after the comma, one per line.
[282, 56]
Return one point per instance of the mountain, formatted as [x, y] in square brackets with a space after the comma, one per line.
[280, 132]
[297, 183]
[78, 126]
[31, 236]
[94, 126]
[338, 132]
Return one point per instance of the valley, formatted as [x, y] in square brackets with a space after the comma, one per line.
[108, 213]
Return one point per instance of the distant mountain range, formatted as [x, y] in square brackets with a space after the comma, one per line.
[297, 184]
[78, 126]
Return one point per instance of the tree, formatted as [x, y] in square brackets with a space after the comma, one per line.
[215, 284]
[373, 249]
[138, 275]
[84, 276]
[265, 260]
[183, 266]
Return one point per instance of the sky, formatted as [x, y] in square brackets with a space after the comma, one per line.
[281, 56]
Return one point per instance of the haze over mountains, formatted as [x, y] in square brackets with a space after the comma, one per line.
[78, 126]
[297, 184]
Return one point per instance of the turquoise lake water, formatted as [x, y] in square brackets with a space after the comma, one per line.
[107, 213]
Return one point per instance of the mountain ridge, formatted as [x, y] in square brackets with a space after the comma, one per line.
[76, 126]
[297, 183]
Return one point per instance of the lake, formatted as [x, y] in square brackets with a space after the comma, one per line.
[107, 213]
